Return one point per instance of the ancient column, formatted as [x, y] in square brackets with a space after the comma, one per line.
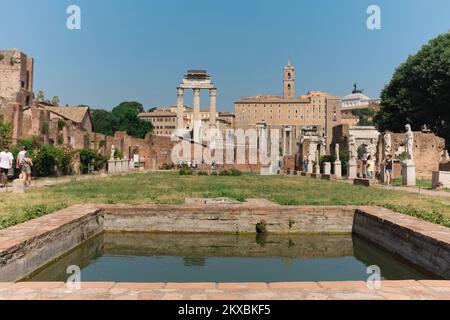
[180, 105]
[212, 107]
[196, 119]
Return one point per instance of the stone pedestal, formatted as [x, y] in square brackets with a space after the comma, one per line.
[337, 169]
[441, 179]
[18, 186]
[310, 167]
[409, 173]
[351, 169]
[327, 168]
[317, 169]
[382, 173]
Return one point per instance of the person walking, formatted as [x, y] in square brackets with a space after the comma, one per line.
[19, 160]
[388, 166]
[26, 169]
[6, 162]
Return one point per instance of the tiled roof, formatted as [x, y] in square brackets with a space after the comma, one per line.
[75, 114]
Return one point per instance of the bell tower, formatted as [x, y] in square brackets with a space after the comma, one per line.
[289, 82]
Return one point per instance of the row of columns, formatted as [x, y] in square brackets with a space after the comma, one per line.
[196, 115]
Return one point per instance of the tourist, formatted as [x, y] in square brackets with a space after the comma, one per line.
[305, 164]
[388, 166]
[6, 162]
[370, 167]
[19, 160]
[26, 169]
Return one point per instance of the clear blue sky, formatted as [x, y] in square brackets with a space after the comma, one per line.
[140, 49]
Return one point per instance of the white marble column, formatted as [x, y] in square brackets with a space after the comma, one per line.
[284, 141]
[180, 106]
[212, 107]
[196, 119]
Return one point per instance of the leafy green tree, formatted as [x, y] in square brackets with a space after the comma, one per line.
[40, 95]
[124, 117]
[419, 92]
[5, 133]
[103, 122]
[55, 100]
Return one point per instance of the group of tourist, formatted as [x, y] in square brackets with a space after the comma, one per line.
[388, 166]
[23, 165]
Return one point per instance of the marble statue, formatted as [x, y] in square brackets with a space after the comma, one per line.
[387, 144]
[409, 143]
[113, 152]
[352, 148]
[336, 150]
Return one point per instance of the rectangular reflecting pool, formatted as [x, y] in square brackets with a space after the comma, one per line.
[174, 257]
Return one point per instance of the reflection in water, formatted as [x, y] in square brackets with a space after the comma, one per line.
[168, 257]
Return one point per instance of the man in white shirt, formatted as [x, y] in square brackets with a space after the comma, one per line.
[6, 161]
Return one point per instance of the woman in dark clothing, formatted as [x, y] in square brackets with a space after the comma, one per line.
[388, 166]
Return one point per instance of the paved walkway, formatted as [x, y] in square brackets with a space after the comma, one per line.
[353, 290]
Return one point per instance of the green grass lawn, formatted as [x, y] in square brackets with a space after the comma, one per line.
[170, 188]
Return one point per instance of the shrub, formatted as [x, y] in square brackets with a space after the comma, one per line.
[61, 124]
[202, 173]
[327, 158]
[118, 154]
[1, 57]
[225, 173]
[5, 133]
[235, 172]
[102, 144]
[186, 172]
[60, 139]
[45, 128]
[167, 166]
[50, 160]
[89, 156]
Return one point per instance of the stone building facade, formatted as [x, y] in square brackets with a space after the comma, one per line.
[317, 111]
[16, 78]
[164, 120]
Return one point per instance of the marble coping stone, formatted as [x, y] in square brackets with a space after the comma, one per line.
[342, 290]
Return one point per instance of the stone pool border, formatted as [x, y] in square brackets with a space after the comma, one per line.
[345, 290]
[30, 245]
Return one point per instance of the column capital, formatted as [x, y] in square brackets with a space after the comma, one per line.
[213, 91]
[180, 91]
[196, 91]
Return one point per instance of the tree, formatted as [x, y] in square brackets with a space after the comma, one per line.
[55, 100]
[124, 117]
[419, 92]
[40, 95]
[103, 122]
[5, 133]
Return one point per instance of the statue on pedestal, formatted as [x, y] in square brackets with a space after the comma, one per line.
[352, 148]
[409, 143]
[387, 144]
[113, 152]
[336, 150]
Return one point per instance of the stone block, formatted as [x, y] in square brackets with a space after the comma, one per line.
[337, 169]
[18, 186]
[327, 168]
[441, 179]
[362, 182]
[409, 173]
[351, 171]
